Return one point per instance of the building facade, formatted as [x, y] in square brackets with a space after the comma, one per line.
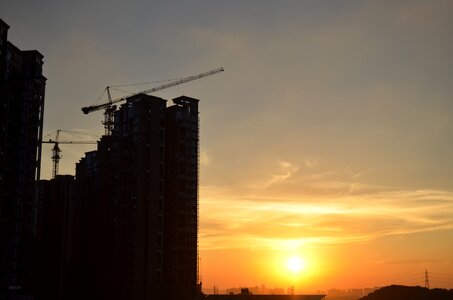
[91, 269]
[22, 87]
[56, 201]
[139, 191]
[139, 162]
[181, 197]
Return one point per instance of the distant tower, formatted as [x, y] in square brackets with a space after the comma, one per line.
[426, 279]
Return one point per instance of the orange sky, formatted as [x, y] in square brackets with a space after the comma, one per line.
[348, 239]
[328, 136]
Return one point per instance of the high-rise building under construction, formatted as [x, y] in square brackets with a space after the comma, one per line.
[140, 191]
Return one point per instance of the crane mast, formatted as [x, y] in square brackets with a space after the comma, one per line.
[110, 108]
[56, 154]
[56, 150]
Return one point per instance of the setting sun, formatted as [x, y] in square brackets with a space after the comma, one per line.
[295, 264]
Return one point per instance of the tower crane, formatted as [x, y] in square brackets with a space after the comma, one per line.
[109, 107]
[56, 151]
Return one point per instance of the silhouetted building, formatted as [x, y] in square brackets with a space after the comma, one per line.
[81, 271]
[137, 202]
[181, 198]
[56, 223]
[22, 86]
[91, 268]
[139, 162]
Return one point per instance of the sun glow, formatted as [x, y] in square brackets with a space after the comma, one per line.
[295, 264]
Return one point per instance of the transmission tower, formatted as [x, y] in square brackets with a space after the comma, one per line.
[426, 279]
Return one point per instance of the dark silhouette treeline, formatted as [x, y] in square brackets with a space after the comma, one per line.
[125, 226]
[399, 292]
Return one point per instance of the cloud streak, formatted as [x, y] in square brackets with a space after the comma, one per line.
[344, 219]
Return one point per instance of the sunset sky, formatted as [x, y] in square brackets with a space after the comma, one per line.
[329, 137]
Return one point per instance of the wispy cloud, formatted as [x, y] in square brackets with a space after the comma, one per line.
[344, 219]
[284, 172]
[205, 158]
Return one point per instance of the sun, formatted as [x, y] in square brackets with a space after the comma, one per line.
[295, 264]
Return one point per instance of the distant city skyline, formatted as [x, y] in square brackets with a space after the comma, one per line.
[327, 138]
[264, 290]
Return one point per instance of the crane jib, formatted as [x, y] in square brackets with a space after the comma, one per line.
[89, 109]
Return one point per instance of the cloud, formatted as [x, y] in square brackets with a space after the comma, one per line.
[310, 162]
[423, 262]
[287, 180]
[205, 159]
[344, 219]
[286, 171]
